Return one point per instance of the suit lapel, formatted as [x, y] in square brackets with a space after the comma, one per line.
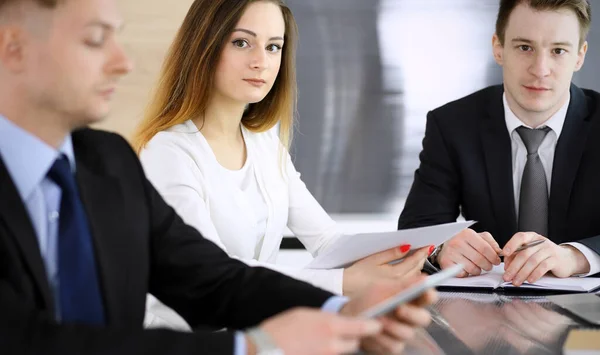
[17, 220]
[498, 162]
[102, 198]
[567, 157]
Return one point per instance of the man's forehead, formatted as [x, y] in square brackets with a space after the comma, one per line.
[70, 14]
[524, 15]
[90, 13]
[543, 26]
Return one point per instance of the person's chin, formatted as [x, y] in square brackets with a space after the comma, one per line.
[252, 99]
[537, 105]
[95, 115]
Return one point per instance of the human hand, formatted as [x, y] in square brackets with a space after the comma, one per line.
[532, 263]
[476, 251]
[400, 325]
[375, 268]
[302, 331]
[533, 320]
[461, 316]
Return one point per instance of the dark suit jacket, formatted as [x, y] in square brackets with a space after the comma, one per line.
[141, 246]
[466, 166]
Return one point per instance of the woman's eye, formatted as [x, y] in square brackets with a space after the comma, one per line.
[240, 43]
[274, 48]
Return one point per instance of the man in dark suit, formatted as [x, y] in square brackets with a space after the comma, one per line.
[521, 159]
[84, 236]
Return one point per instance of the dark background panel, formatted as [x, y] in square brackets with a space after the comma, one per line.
[368, 72]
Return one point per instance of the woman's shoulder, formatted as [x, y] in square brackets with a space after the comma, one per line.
[267, 140]
[180, 142]
[174, 154]
[175, 135]
[184, 138]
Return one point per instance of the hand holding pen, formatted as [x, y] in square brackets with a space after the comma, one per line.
[524, 246]
[533, 261]
[477, 252]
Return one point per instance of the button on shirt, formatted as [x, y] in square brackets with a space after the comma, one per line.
[546, 154]
[28, 160]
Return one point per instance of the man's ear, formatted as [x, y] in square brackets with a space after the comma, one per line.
[12, 48]
[581, 56]
[498, 50]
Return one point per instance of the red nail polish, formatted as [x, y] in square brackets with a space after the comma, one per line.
[431, 249]
[405, 248]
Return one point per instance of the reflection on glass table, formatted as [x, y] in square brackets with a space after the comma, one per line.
[469, 323]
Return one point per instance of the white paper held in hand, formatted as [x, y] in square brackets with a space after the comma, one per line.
[348, 249]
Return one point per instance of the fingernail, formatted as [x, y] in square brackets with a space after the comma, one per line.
[405, 248]
[431, 249]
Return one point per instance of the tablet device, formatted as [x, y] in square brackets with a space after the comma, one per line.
[410, 294]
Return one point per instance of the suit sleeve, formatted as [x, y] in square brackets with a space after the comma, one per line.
[593, 243]
[434, 195]
[188, 273]
[26, 330]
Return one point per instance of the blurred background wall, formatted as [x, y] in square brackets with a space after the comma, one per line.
[150, 26]
[368, 72]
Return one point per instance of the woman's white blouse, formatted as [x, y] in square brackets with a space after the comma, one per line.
[245, 180]
[229, 207]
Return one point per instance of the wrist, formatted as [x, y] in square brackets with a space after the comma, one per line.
[346, 310]
[261, 342]
[434, 257]
[348, 282]
[250, 345]
[580, 264]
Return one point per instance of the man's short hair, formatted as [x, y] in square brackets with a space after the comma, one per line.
[581, 8]
[43, 3]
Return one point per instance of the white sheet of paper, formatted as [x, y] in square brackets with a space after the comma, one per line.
[349, 248]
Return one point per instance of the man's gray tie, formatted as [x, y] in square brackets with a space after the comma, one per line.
[533, 200]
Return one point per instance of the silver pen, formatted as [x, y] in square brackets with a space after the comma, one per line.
[525, 246]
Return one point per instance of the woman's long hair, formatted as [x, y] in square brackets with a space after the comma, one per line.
[187, 77]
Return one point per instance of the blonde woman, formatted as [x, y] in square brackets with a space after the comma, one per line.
[214, 143]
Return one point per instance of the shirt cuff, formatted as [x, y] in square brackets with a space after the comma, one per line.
[592, 257]
[239, 344]
[334, 304]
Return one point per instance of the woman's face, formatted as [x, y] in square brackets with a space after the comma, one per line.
[251, 57]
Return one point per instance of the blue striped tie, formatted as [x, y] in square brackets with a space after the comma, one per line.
[79, 289]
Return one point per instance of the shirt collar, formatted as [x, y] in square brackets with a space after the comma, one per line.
[28, 158]
[555, 122]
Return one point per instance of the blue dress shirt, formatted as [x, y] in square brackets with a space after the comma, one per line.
[28, 160]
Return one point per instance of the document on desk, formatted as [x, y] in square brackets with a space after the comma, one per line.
[493, 280]
[350, 248]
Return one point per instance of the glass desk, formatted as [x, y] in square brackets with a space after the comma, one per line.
[490, 323]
